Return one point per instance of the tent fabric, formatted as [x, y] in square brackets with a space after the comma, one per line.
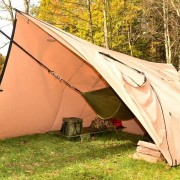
[34, 102]
[107, 104]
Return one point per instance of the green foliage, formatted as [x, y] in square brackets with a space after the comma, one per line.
[2, 58]
[74, 17]
[134, 27]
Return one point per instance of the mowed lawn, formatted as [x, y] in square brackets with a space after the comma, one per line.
[106, 156]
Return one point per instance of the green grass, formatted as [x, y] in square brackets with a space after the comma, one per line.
[49, 156]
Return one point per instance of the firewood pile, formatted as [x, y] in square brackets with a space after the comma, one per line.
[148, 152]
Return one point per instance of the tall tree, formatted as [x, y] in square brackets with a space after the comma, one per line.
[90, 20]
[7, 6]
[105, 11]
[164, 30]
[26, 6]
[7, 14]
[167, 40]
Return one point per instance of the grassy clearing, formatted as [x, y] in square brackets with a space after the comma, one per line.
[49, 156]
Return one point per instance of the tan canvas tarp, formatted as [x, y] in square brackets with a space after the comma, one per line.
[34, 102]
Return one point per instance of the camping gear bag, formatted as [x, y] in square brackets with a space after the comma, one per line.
[101, 125]
[71, 126]
[117, 123]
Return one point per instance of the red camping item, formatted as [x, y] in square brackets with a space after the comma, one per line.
[117, 123]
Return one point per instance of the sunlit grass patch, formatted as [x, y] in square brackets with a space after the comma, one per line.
[106, 156]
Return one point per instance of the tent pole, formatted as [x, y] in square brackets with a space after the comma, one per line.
[41, 64]
[8, 53]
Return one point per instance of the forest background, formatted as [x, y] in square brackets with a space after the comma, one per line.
[147, 29]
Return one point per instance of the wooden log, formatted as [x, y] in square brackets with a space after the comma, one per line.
[152, 152]
[146, 157]
[147, 145]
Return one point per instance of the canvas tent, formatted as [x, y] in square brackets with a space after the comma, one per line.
[33, 101]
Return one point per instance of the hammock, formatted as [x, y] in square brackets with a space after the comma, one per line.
[106, 103]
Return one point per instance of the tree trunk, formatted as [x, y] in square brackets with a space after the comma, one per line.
[176, 8]
[166, 32]
[129, 39]
[90, 21]
[26, 6]
[105, 25]
[9, 8]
